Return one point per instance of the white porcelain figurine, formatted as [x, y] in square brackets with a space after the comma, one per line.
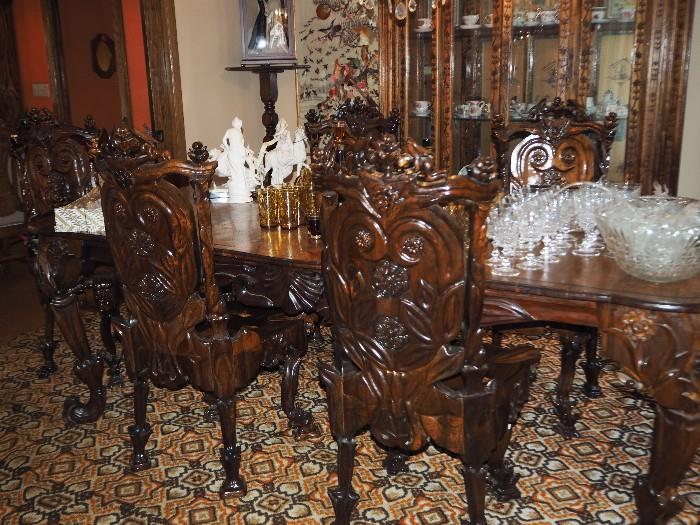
[236, 162]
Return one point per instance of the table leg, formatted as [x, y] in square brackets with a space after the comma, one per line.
[572, 344]
[88, 366]
[676, 438]
[658, 351]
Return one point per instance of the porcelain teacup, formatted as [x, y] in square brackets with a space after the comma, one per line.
[598, 14]
[476, 107]
[548, 17]
[627, 14]
[470, 20]
[531, 17]
[424, 24]
[421, 107]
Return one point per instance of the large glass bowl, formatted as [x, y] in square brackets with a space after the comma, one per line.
[653, 238]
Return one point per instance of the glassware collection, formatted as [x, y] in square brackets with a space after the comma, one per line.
[653, 238]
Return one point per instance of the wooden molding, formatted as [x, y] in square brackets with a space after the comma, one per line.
[121, 59]
[54, 54]
[160, 33]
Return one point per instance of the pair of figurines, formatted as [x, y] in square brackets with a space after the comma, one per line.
[244, 170]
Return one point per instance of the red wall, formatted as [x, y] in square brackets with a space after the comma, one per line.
[88, 94]
[34, 69]
[31, 51]
[136, 60]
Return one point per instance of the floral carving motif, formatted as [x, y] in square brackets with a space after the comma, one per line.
[389, 279]
[141, 242]
[151, 214]
[390, 333]
[638, 325]
[119, 210]
[413, 246]
[151, 287]
[363, 238]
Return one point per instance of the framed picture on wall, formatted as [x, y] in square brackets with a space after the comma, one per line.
[267, 29]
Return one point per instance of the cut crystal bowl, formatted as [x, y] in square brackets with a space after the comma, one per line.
[653, 238]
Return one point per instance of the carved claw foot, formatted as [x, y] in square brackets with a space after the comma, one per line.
[566, 425]
[90, 373]
[653, 507]
[234, 484]
[343, 504]
[503, 482]
[592, 370]
[395, 462]
[302, 423]
[114, 372]
[49, 366]
[139, 438]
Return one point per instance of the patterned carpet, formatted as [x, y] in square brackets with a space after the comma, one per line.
[53, 474]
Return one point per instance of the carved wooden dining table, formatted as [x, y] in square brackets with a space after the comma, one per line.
[651, 331]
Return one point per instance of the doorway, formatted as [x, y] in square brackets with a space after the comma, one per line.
[97, 61]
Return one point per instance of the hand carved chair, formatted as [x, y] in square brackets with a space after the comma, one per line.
[401, 291]
[180, 330]
[558, 144]
[348, 130]
[54, 168]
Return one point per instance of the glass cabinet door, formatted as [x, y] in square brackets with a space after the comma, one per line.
[471, 85]
[535, 50]
[612, 56]
[420, 74]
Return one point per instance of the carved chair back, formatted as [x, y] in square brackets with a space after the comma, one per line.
[399, 287]
[52, 161]
[160, 239]
[557, 144]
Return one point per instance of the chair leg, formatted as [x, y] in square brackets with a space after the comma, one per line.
[571, 346]
[105, 293]
[300, 421]
[343, 497]
[48, 345]
[140, 431]
[475, 487]
[234, 484]
[395, 462]
[592, 367]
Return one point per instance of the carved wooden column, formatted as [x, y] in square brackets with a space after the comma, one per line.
[659, 352]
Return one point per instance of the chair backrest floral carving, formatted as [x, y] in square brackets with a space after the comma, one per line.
[161, 243]
[52, 161]
[557, 144]
[400, 290]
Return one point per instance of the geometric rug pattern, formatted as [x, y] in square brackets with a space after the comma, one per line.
[53, 473]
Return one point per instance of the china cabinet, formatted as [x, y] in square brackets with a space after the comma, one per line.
[472, 59]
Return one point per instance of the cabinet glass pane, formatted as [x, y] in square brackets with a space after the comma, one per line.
[612, 55]
[420, 71]
[471, 55]
[535, 49]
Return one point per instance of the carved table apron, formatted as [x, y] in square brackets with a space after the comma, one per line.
[651, 331]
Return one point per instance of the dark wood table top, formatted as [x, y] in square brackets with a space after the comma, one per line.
[237, 234]
[600, 279]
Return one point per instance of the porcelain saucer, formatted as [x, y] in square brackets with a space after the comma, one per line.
[423, 29]
[470, 26]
